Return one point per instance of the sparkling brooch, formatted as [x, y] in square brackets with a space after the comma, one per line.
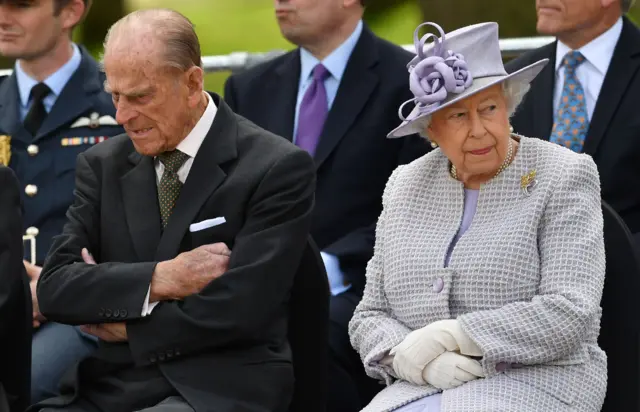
[528, 182]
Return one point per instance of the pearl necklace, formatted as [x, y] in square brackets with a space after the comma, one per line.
[504, 165]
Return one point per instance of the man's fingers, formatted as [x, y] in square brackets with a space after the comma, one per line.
[217, 248]
[86, 256]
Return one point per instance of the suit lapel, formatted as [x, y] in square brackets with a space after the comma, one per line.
[624, 65]
[206, 174]
[72, 101]
[281, 96]
[140, 196]
[542, 92]
[9, 110]
[356, 86]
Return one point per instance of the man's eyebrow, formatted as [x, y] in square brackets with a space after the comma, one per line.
[131, 93]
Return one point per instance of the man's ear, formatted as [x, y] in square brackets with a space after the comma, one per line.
[72, 14]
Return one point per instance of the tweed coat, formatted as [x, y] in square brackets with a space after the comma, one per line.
[525, 281]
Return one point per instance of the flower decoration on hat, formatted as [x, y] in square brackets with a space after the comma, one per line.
[433, 76]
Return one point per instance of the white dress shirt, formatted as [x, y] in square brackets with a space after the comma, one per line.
[591, 72]
[189, 146]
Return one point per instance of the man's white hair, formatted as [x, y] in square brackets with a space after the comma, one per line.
[514, 93]
[626, 5]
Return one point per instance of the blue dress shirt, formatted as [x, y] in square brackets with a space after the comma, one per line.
[335, 63]
[56, 82]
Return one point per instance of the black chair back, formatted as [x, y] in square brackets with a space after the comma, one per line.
[309, 332]
[620, 324]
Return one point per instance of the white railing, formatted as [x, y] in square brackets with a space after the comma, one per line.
[239, 61]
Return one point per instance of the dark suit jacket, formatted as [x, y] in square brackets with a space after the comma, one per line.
[613, 139]
[51, 170]
[15, 299]
[354, 159]
[225, 348]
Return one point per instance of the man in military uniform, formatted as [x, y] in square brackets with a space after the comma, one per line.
[52, 107]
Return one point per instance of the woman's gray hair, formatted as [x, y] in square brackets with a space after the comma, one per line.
[176, 33]
[626, 5]
[514, 93]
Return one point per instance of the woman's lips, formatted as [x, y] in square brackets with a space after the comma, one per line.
[480, 152]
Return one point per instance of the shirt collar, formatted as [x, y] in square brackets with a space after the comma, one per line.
[55, 81]
[598, 52]
[191, 144]
[336, 62]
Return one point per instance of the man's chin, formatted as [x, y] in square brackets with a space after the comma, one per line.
[146, 149]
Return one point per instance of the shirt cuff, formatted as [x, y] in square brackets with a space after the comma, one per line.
[337, 281]
[147, 307]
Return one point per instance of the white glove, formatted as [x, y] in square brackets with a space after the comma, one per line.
[423, 345]
[451, 370]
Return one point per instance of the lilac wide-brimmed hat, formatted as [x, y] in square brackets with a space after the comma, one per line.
[454, 67]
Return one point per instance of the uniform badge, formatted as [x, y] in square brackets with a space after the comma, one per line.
[94, 121]
[5, 149]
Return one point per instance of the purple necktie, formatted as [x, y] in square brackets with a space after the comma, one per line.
[313, 111]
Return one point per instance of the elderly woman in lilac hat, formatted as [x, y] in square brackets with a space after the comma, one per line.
[484, 290]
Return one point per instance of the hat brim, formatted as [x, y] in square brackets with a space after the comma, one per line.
[412, 124]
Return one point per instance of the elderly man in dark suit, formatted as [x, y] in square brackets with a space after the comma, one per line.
[336, 96]
[15, 303]
[52, 107]
[592, 84]
[182, 242]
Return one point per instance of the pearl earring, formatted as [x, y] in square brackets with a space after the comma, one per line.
[511, 129]
[434, 145]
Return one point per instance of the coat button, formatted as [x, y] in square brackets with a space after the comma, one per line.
[33, 150]
[169, 354]
[116, 313]
[123, 313]
[438, 285]
[177, 352]
[502, 366]
[161, 357]
[108, 313]
[153, 359]
[101, 312]
[31, 190]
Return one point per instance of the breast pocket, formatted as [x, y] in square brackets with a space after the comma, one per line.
[212, 230]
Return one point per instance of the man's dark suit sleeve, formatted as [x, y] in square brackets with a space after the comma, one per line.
[237, 306]
[15, 298]
[73, 292]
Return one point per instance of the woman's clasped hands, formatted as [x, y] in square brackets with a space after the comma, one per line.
[438, 354]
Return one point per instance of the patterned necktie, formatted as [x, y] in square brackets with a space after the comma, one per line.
[170, 185]
[37, 113]
[313, 111]
[572, 120]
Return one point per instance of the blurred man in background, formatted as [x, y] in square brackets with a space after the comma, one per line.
[336, 96]
[15, 302]
[587, 98]
[51, 108]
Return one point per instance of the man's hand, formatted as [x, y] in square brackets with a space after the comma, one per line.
[189, 272]
[33, 272]
[108, 332]
[38, 319]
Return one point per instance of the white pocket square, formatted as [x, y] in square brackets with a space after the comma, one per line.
[94, 121]
[206, 224]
